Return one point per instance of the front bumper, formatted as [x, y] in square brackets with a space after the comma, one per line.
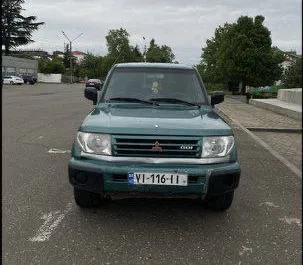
[111, 178]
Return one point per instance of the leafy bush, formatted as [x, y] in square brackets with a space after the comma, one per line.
[54, 66]
[210, 87]
[264, 92]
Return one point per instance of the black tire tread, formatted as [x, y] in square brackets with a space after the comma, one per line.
[221, 202]
[87, 199]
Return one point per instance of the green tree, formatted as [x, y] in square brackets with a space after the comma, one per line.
[118, 45]
[16, 29]
[93, 66]
[137, 55]
[241, 53]
[208, 68]
[119, 50]
[159, 54]
[54, 66]
[107, 64]
[292, 78]
[66, 56]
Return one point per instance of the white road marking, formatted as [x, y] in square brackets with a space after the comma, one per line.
[40, 137]
[52, 220]
[245, 249]
[270, 204]
[58, 151]
[290, 220]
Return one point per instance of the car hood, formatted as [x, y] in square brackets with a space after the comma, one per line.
[142, 120]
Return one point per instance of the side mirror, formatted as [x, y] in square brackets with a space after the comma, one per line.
[91, 93]
[217, 97]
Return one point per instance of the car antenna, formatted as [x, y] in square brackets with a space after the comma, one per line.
[117, 58]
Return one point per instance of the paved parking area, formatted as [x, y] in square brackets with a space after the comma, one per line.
[42, 225]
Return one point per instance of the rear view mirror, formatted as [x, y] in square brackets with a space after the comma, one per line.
[91, 93]
[217, 97]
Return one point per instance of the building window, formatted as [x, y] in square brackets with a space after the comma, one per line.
[10, 71]
[22, 71]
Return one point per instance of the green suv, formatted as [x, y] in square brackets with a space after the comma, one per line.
[154, 132]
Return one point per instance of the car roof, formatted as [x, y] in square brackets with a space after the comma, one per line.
[154, 65]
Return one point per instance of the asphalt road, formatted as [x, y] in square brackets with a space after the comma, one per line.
[43, 225]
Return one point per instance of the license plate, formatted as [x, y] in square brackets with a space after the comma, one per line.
[157, 179]
[91, 84]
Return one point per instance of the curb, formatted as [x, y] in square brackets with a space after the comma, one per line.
[292, 167]
[281, 130]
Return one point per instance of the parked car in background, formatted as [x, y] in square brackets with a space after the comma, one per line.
[97, 83]
[29, 79]
[13, 80]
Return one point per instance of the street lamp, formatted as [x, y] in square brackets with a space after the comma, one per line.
[144, 55]
[70, 49]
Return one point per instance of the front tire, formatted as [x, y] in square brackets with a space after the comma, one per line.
[11, 82]
[87, 199]
[221, 202]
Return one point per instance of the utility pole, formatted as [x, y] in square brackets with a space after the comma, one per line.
[144, 49]
[71, 56]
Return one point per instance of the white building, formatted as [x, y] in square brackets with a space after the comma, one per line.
[78, 55]
[286, 63]
[18, 66]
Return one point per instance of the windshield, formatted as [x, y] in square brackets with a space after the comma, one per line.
[152, 83]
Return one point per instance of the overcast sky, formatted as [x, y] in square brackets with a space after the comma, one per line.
[183, 25]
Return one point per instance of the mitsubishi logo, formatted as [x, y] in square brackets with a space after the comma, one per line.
[157, 147]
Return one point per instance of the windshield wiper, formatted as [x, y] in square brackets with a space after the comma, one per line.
[174, 101]
[132, 100]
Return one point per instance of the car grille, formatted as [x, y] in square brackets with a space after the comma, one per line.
[151, 146]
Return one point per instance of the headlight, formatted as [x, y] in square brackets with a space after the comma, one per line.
[217, 146]
[95, 143]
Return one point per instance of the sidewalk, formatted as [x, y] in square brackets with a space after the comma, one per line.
[287, 142]
[253, 117]
[285, 108]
